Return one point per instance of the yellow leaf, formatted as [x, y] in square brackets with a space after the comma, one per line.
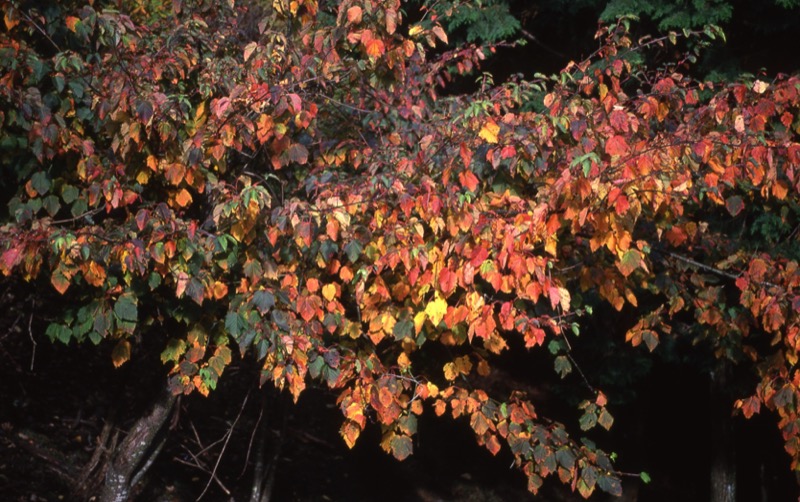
[432, 389]
[200, 112]
[329, 292]
[419, 320]
[564, 298]
[436, 309]
[450, 371]
[415, 30]
[403, 361]
[551, 245]
[489, 131]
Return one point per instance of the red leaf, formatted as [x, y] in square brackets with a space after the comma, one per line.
[466, 155]
[220, 106]
[308, 306]
[616, 145]
[10, 259]
[468, 180]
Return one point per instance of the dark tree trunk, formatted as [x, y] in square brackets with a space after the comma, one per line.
[723, 460]
[135, 454]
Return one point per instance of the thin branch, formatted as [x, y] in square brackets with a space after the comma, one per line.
[713, 270]
[224, 446]
[30, 333]
[252, 438]
[530, 36]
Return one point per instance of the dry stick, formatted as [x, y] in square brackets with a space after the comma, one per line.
[716, 271]
[198, 465]
[269, 482]
[224, 446]
[250, 443]
[30, 333]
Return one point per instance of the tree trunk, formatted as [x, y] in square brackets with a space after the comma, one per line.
[136, 452]
[723, 460]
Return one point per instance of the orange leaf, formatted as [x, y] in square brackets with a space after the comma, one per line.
[72, 23]
[375, 48]
[95, 274]
[350, 432]
[220, 290]
[183, 198]
[616, 145]
[468, 180]
[354, 14]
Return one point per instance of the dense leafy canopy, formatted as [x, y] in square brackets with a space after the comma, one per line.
[282, 181]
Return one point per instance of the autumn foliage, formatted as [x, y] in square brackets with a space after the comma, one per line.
[286, 183]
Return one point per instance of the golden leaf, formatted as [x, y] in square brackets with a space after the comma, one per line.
[329, 292]
[489, 131]
[450, 371]
[436, 309]
[419, 321]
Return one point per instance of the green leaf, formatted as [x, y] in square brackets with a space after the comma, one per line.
[125, 308]
[263, 301]
[562, 366]
[69, 194]
[403, 329]
[154, 280]
[59, 332]
[353, 250]
[566, 458]
[51, 205]
[315, 367]
[645, 477]
[402, 447]
[174, 349]
[734, 205]
[40, 182]
[234, 323]
[588, 420]
[605, 419]
[195, 290]
[610, 485]
[630, 261]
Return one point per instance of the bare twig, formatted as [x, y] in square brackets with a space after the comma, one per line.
[530, 36]
[250, 443]
[715, 271]
[30, 333]
[224, 446]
